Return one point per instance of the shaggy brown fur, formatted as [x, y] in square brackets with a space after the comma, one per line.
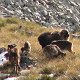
[47, 37]
[63, 45]
[14, 57]
[26, 49]
[52, 51]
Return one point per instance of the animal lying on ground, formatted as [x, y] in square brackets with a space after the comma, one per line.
[47, 37]
[63, 45]
[25, 57]
[52, 51]
[26, 49]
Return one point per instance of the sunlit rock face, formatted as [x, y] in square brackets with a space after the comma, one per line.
[3, 59]
[65, 13]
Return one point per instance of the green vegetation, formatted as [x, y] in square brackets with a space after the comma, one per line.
[46, 71]
[2, 22]
[46, 77]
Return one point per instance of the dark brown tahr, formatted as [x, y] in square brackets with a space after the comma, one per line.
[63, 45]
[52, 51]
[47, 37]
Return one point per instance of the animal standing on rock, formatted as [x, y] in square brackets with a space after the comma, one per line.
[47, 37]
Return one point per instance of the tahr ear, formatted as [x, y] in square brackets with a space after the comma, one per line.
[64, 34]
[64, 31]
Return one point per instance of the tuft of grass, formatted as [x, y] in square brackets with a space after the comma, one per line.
[46, 70]
[2, 22]
[46, 77]
[12, 20]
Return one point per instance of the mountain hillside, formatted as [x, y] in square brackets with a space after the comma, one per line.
[64, 13]
[67, 68]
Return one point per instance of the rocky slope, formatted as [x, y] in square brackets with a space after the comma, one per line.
[64, 13]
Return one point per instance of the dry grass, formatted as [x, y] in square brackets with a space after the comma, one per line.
[69, 66]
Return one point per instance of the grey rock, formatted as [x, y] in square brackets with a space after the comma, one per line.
[65, 13]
